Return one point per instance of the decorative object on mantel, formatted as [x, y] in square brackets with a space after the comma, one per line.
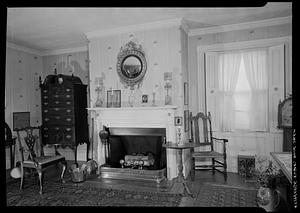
[100, 89]
[131, 64]
[168, 87]
[186, 120]
[186, 93]
[144, 99]
[131, 97]
[113, 98]
[153, 94]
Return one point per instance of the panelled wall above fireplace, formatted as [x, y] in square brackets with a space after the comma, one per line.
[165, 51]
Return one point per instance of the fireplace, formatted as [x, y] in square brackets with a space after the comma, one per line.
[129, 150]
[131, 143]
[156, 122]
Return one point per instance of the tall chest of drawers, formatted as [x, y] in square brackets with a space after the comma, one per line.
[64, 113]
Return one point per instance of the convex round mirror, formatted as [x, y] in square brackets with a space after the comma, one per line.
[131, 65]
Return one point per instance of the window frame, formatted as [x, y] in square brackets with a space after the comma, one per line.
[243, 45]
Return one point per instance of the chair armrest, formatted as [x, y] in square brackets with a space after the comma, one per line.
[221, 139]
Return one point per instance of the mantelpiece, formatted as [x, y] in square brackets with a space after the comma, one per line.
[149, 117]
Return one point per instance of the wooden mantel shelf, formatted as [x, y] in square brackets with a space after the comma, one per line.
[132, 108]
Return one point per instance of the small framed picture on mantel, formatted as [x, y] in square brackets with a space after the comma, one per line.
[113, 98]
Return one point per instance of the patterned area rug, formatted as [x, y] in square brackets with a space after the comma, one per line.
[225, 196]
[71, 194]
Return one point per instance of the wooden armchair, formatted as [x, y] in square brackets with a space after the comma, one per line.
[33, 161]
[214, 148]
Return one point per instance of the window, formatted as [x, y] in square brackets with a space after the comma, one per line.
[242, 100]
[243, 88]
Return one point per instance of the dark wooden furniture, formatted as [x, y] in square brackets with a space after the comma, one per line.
[64, 113]
[10, 142]
[216, 146]
[180, 178]
[30, 159]
[285, 122]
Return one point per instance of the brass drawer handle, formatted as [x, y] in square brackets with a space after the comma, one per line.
[56, 128]
[46, 103]
[45, 128]
[46, 110]
[46, 119]
[57, 102]
[68, 110]
[68, 90]
[45, 96]
[57, 117]
[68, 129]
[68, 102]
[45, 91]
[56, 109]
[68, 119]
[56, 96]
[68, 136]
[68, 96]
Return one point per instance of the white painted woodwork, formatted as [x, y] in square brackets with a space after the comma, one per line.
[248, 143]
[211, 77]
[276, 83]
[140, 117]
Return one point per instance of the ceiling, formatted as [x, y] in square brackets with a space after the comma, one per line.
[54, 28]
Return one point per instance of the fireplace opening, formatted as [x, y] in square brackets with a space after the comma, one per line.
[136, 148]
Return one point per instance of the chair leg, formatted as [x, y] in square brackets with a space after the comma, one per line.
[193, 170]
[64, 165]
[213, 166]
[225, 169]
[40, 173]
[22, 177]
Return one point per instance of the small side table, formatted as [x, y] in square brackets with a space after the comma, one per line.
[180, 178]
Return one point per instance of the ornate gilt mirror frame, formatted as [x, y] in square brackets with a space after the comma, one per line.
[131, 64]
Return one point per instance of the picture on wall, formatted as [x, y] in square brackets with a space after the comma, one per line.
[113, 98]
[186, 93]
[186, 120]
[178, 121]
[21, 120]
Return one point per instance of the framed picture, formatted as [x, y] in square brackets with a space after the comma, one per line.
[21, 120]
[113, 98]
[186, 93]
[178, 121]
[186, 120]
[144, 98]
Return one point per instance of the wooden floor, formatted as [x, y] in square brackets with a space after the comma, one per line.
[201, 177]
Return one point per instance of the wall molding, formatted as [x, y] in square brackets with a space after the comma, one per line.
[45, 53]
[244, 44]
[23, 48]
[64, 51]
[240, 26]
[135, 28]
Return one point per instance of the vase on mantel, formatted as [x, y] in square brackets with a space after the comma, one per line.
[131, 98]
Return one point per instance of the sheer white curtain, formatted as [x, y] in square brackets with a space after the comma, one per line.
[256, 70]
[229, 65]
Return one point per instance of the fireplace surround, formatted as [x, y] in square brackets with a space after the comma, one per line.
[136, 118]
